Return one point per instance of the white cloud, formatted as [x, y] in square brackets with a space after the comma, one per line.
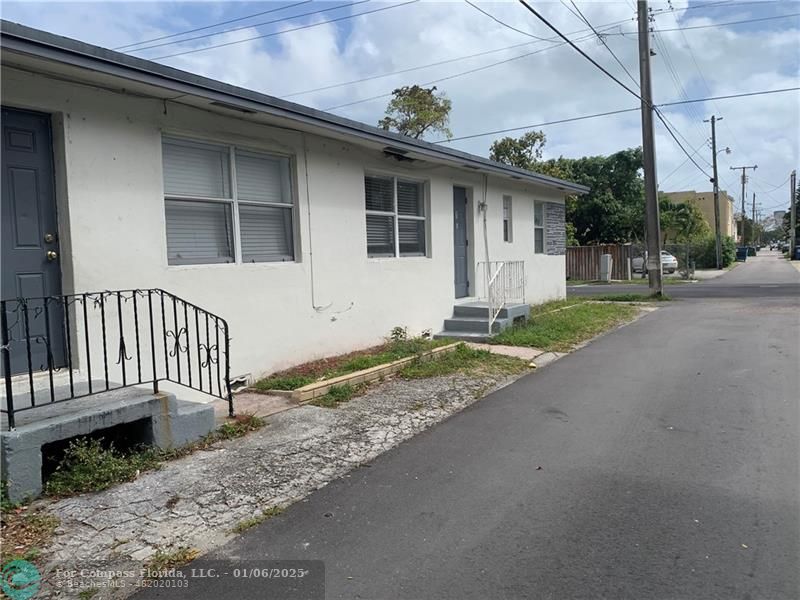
[554, 84]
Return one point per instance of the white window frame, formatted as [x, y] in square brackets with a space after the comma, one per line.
[396, 216]
[508, 232]
[539, 230]
[233, 202]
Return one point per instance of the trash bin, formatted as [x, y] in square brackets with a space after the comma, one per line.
[797, 252]
[606, 263]
[741, 254]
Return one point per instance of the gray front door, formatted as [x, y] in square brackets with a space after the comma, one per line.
[460, 242]
[30, 252]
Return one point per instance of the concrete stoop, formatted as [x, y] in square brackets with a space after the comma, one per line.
[470, 321]
[170, 423]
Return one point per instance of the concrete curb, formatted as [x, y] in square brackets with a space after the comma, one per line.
[320, 388]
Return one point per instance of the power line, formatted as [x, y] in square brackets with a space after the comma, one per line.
[712, 4]
[696, 118]
[309, 26]
[456, 75]
[503, 23]
[777, 187]
[172, 35]
[693, 27]
[574, 47]
[603, 41]
[667, 124]
[677, 141]
[604, 27]
[407, 70]
[615, 112]
[599, 66]
[250, 26]
[680, 166]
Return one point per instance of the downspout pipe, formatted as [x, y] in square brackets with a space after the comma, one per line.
[310, 235]
[484, 209]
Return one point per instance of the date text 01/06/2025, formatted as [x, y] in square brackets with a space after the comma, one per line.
[209, 578]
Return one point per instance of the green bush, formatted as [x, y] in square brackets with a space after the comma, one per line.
[704, 252]
[87, 466]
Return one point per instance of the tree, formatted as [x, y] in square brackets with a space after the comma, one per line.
[682, 222]
[415, 110]
[524, 152]
[612, 211]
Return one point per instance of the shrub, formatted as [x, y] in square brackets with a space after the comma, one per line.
[88, 466]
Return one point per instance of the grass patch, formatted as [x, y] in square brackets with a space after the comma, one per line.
[335, 366]
[266, 515]
[636, 280]
[561, 330]
[336, 395]
[25, 532]
[546, 307]
[284, 382]
[163, 560]
[88, 466]
[464, 360]
[628, 297]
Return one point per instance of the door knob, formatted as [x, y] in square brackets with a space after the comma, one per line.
[52, 255]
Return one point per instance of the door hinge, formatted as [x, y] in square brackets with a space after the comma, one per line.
[466, 242]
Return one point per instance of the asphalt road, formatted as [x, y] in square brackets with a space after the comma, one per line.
[669, 460]
[761, 276]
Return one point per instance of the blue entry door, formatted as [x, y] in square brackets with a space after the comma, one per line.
[460, 242]
[30, 251]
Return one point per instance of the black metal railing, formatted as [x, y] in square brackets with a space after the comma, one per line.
[109, 340]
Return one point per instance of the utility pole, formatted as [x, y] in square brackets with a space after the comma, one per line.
[715, 181]
[793, 215]
[744, 182]
[649, 155]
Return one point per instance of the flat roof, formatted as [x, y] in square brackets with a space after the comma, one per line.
[24, 40]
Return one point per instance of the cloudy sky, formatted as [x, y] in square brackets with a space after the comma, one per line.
[700, 51]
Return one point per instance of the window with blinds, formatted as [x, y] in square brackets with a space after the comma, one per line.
[507, 229]
[213, 217]
[396, 219]
[538, 227]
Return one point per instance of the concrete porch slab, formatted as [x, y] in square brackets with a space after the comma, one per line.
[170, 423]
[253, 403]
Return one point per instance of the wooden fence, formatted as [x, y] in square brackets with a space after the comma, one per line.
[583, 262]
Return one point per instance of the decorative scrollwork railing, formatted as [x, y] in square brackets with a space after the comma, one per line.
[58, 348]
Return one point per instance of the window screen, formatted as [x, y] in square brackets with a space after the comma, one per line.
[380, 235]
[199, 232]
[199, 170]
[396, 220]
[507, 218]
[538, 227]
[202, 231]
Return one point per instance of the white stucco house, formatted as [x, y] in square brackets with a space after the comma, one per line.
[308, 233]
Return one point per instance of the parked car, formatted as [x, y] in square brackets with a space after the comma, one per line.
[669, 264]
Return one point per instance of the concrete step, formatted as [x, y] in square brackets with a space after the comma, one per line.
[481, 309]
[479, 324]
[465, 336]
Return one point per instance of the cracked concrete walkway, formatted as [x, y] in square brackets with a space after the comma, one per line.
[196, 501]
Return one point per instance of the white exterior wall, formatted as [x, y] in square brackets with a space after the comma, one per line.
[112, 228]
